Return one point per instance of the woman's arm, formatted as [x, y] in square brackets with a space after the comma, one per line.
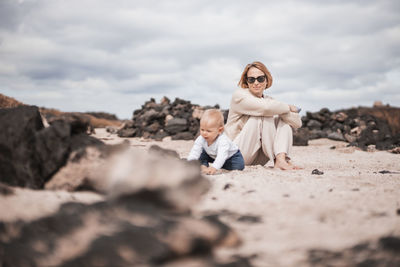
[245, 103]
[292, 118]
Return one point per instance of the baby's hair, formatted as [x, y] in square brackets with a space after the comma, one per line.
[215, 115]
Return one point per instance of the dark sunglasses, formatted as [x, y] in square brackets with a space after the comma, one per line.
[259, 79]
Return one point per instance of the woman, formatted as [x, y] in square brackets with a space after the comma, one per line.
[260, 125]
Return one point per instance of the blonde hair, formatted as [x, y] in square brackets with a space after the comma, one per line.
[215, 115]
[256, 64]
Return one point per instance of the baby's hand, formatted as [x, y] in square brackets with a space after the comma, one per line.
[211, 170]
[208, 170]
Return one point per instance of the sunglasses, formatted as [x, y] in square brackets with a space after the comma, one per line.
[259, 79]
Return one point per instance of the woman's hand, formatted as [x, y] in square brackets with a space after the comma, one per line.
[293, 108]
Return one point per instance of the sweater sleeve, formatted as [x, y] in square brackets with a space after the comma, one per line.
[196, 150]
[292, 118]
[245, 103]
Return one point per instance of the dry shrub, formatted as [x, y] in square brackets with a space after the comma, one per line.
[9, 102]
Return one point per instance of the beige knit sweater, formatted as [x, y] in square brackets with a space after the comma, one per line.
[244, 104]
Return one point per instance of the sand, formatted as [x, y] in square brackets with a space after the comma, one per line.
[296, 211]
[288, 212]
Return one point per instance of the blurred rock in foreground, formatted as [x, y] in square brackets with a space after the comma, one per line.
[382, 252]
[143, 217]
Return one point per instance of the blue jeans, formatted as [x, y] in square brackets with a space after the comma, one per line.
[236, 162]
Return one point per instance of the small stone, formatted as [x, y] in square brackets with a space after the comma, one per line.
[385, 172]
[317, 172]
[249, 219]
[227, 186]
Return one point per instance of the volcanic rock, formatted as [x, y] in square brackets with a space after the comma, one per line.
[179, 119]
[382, 252]
[30, 153]
[361, 127]
[122, 232]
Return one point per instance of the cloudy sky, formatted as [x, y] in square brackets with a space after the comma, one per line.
[101, 55]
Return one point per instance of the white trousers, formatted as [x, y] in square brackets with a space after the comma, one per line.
[262, 138]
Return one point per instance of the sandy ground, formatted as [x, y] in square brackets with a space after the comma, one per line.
[351, 202]
[293, 211]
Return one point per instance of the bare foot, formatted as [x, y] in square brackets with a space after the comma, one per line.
[283, 165]
[281, 162]
[295, 167]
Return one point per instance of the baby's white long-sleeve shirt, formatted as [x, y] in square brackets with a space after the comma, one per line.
[222, 149]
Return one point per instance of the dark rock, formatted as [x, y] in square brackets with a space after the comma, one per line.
[165, 101]
[151, 115]
[183, 136]
[395, 150]
[336, 136]
[315, 134]
[163, 152]
[153, 128]
[301, 137]
[317, 172]
[179, 119]
[116, 233]
[6, 190]
[350, 138]
[227, 186]
[314, 124]
[19, 162]
[386, 171]
[390, 243]
[176, 125]
[361, 127]
[31, 154]
[111, 130]
[382, 252]
[339, 116]
[249, 219]
[131, 132]
[159, 136]
[79, 123]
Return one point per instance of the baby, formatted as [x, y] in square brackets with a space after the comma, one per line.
[214, 146]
